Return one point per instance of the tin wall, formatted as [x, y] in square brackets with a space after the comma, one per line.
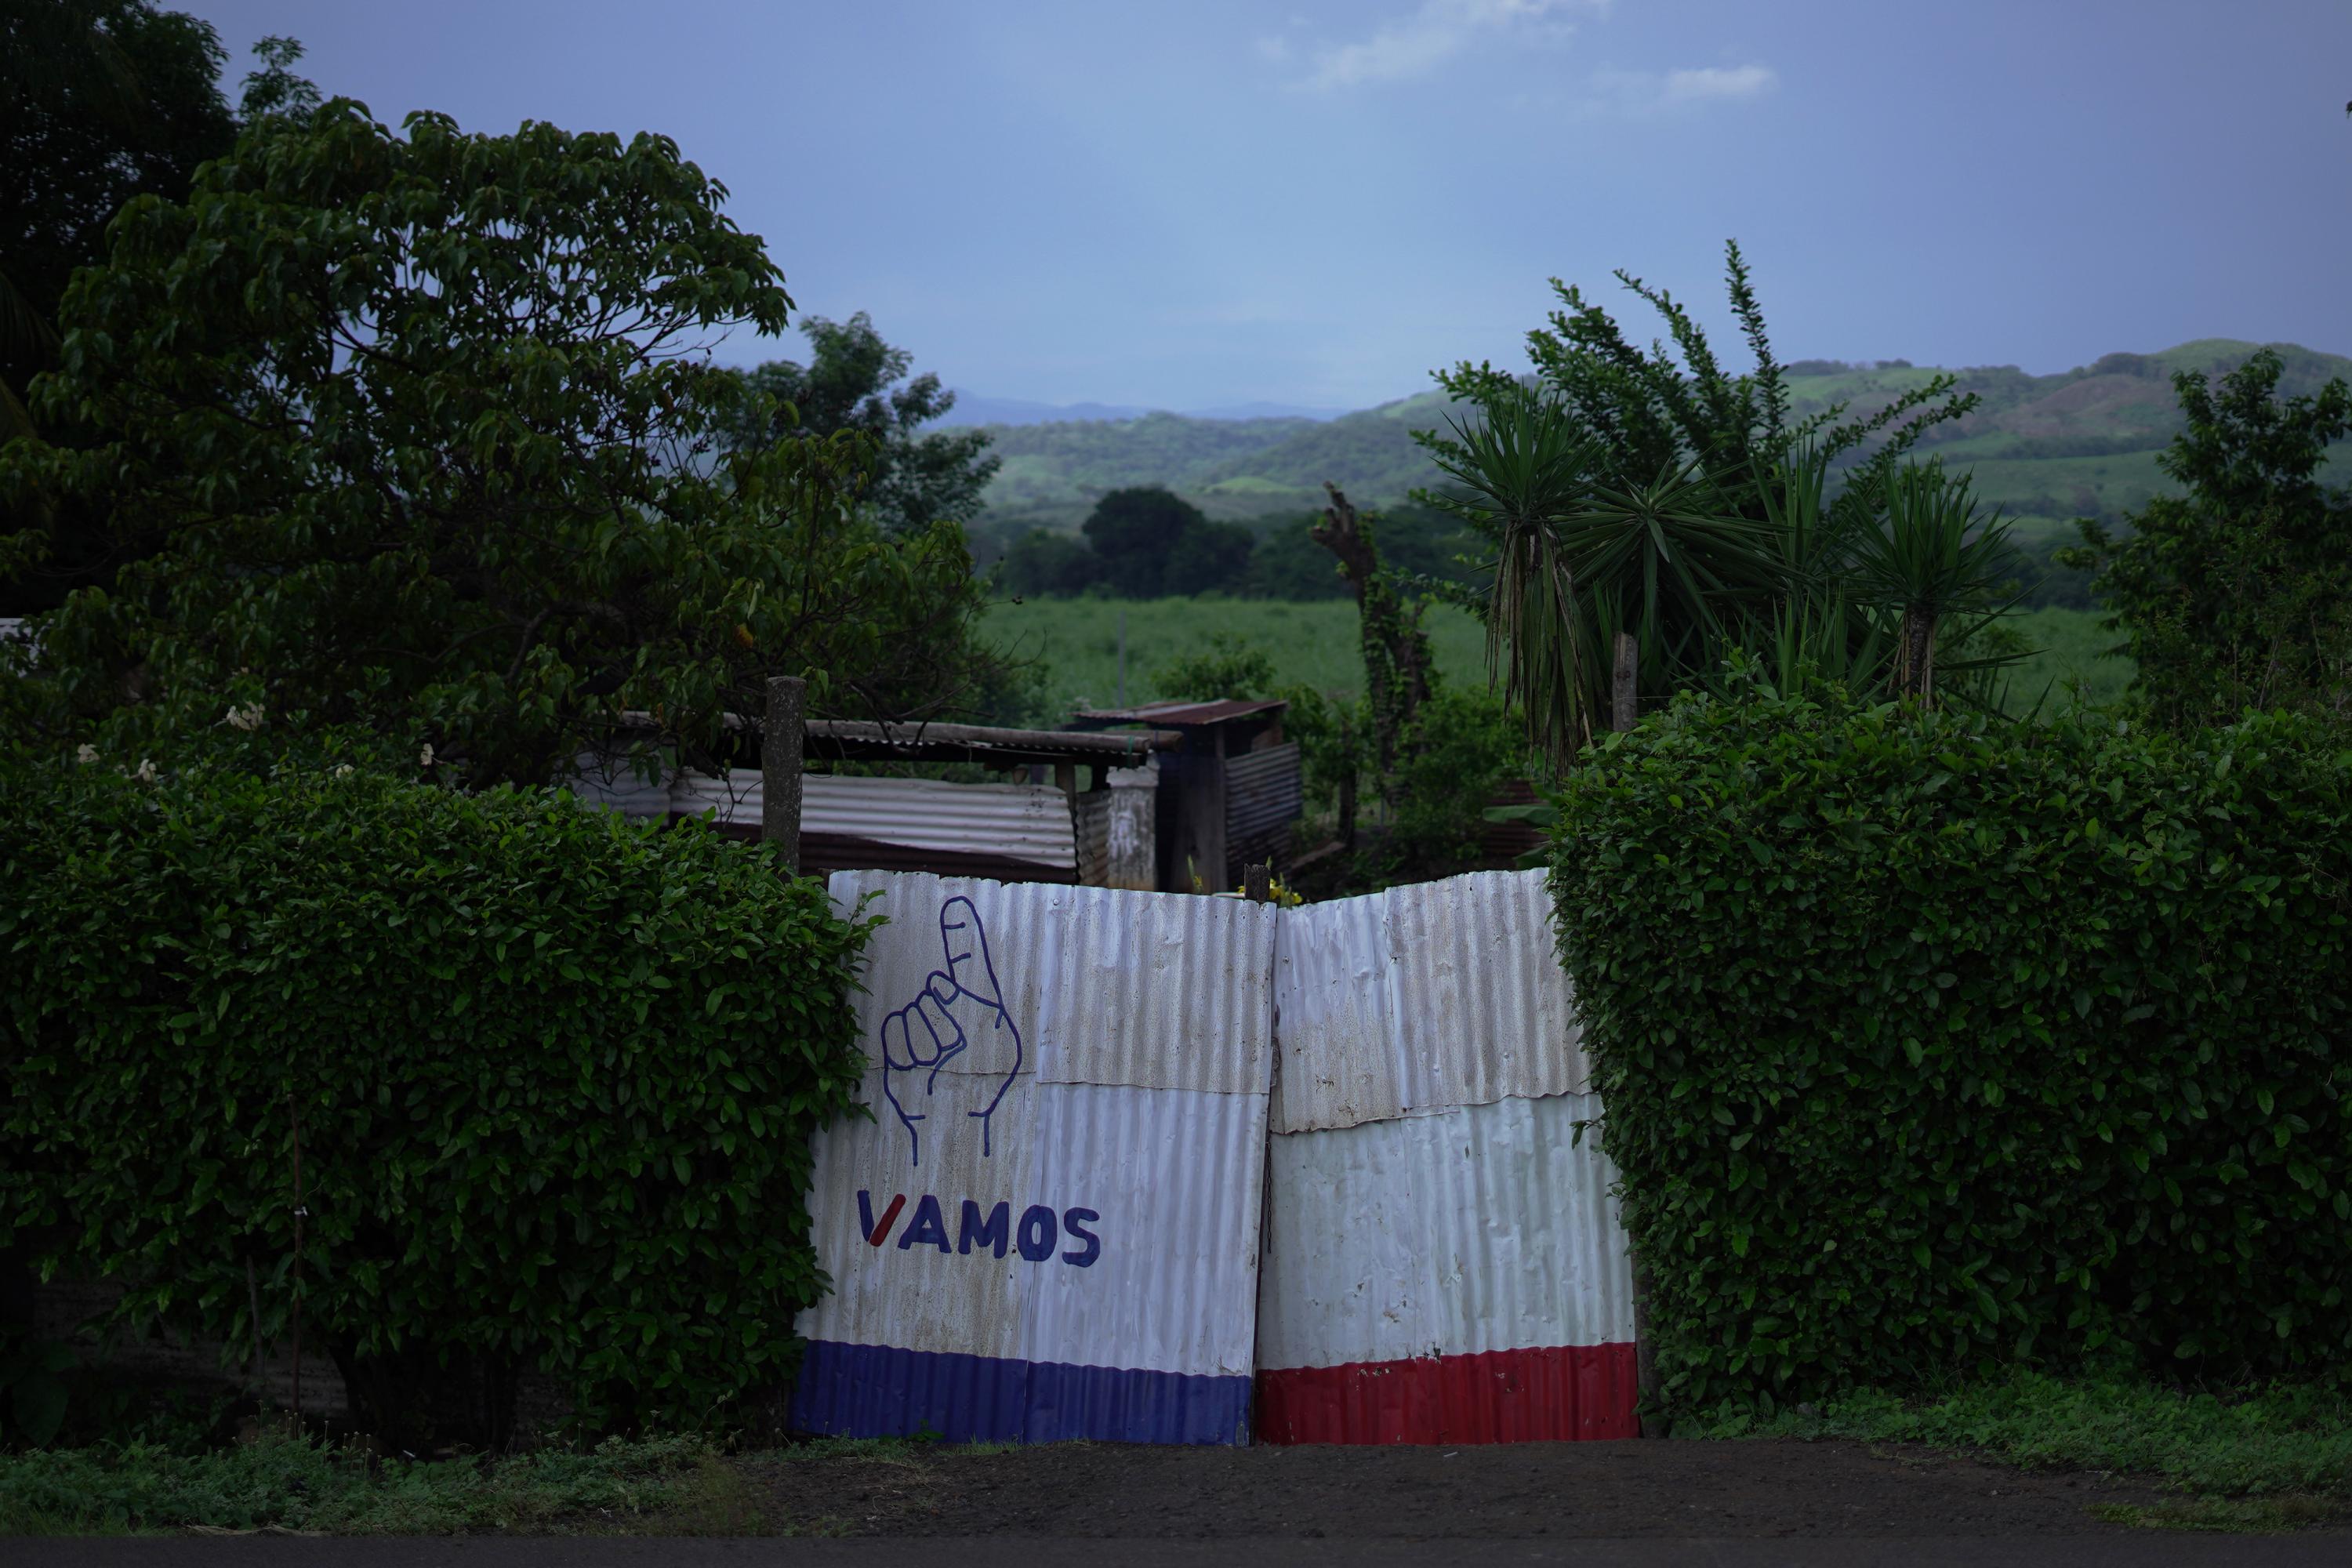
[1050, 1228]
[1444, 1260]
[1423, 998]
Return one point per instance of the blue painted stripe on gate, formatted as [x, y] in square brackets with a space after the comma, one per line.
[879, 1391]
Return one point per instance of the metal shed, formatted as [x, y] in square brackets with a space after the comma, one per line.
[1228, 789]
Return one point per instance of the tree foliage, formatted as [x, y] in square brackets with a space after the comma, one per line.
[2238, 594]
[1135, 534]
[422, 424]
[100, 100]
[851, 383]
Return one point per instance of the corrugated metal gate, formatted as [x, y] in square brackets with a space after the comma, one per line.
[1445, 1262]
[1049, 1230]
[1052, 1227]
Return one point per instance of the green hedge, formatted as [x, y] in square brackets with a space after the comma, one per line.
[555, 1076]
[1931, 1043]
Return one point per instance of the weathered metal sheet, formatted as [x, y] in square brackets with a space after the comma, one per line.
[1487, 1228]
[1263, 795]
[609, 782]
[1421, 999]
[1546, 1395]
[1028, 823]
[1050, 1227]
[1149, 989]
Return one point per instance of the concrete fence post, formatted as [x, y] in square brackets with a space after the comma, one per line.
[780, 766]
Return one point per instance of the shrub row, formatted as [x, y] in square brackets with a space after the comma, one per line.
[1930, 1042]
[554, 1077]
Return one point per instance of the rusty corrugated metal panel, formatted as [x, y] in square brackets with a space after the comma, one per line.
[1423, 998]
[1090, 821]
[1027, 1241]
[1489, 1227]
[1263, 795]
[1027, 823]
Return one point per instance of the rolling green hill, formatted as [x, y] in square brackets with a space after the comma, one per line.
[2046, 447]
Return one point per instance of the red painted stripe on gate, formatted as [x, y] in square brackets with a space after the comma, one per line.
[1495, 1396]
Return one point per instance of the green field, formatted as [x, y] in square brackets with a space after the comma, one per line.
[1076, 642]
[2069, 646]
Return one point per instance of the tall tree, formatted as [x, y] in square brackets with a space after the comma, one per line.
[100, 101]
[852, 383]
[424, 422]
[2238, 593]
[1135, 532]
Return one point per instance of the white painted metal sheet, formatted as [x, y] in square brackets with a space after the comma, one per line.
[1032, 1047]
[1111, 986]
[1421, 999]
[1158, 1273]
[1484, 1228]
[1014, 821]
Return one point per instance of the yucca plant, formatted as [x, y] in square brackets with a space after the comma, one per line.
[1522, 469]
[1929, 556]
[1582, 555]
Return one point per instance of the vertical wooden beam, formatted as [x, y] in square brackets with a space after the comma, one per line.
[1626, 696]
[780, 740]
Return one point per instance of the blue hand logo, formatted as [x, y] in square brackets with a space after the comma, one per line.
[960, 1017]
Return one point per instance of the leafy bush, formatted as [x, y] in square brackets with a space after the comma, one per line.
[1932, 1043]
[555, 1076]
[1462, 747]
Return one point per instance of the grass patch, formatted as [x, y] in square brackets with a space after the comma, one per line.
[1315, 641]
[2270, 1457]
[669, 1486]
[2070, 650]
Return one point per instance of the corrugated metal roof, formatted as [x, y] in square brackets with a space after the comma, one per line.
[1134, 1210]
[831, 737]
[1423, 998]
[1486, 1228]
[1016, 822]
[1180, 715]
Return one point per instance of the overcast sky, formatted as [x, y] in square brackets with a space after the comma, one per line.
[1212, 202]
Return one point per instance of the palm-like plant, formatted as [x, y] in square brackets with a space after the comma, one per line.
[1582, 556]
[1929, 556]
[1522, 469]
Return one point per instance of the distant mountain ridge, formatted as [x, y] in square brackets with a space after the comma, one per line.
[972, 408]
[2046, 447]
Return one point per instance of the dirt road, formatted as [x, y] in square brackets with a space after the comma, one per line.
[1657, 1489]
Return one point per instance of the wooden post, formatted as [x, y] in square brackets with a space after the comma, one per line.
[1257, 882]
[1625, 702]
[780, 740]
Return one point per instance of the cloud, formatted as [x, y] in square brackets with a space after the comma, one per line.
[1653, 93]
[1275, 48]
[1415, 45]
